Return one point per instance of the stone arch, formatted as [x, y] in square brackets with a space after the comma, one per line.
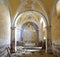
[19, 11]
[34, 25]
[20, 14]
[41, 10]
[30, 21]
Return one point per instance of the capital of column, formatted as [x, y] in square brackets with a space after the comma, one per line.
[48, 26]
[13, 28]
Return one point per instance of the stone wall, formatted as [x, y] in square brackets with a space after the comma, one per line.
[4, 25]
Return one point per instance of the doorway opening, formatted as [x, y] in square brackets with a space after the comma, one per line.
[31, 30]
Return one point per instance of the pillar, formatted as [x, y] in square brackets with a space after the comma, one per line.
[12, 39]
[49, 40]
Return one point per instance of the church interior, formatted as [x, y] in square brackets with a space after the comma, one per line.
[29, 28]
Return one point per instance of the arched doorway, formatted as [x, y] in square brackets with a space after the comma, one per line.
[26, 6]
[34, 17]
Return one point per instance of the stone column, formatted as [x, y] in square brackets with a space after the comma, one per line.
[12, 39]
[49, 40]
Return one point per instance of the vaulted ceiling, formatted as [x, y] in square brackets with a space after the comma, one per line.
[29, 16]
[46, 3]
